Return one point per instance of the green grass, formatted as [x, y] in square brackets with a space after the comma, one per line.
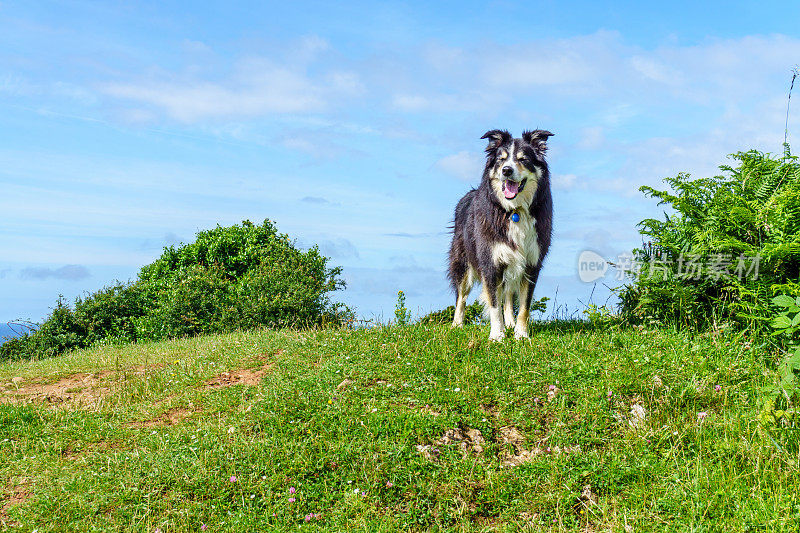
[160, 451]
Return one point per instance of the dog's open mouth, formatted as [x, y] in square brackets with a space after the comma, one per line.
[512, 188]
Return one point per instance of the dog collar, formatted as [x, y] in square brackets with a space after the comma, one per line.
[514, 217]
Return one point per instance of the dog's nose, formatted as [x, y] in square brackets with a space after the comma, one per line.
[507, 171]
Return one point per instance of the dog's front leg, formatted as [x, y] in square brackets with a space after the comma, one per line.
[461, 301]
[491, 299]
[525, 294]
[508, 308]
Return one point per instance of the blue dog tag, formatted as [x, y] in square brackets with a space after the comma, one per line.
[515, 217]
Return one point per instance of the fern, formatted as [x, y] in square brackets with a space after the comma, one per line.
[752, 209]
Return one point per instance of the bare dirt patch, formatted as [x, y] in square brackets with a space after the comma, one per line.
[469, 441]
[518, 454]
[19, 494]
[247, 376]
[346, 382]
[428, 410]
[83, 389]
[172, 417]
[491, 410]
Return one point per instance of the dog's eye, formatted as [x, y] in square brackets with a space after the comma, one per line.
[522, 159]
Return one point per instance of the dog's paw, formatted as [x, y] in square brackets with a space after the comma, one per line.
[497, 336]
[520, 334]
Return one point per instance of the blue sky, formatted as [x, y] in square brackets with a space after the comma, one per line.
[126, 127]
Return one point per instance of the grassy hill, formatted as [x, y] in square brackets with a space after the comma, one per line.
[415, 428]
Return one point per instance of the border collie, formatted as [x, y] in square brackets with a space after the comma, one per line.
[501, 231]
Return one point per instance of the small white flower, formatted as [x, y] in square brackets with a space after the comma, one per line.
[457, 389]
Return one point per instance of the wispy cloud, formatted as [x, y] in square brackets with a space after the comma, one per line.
[406, 235]
[599, 66]
[466, 166]
[257, 86]
[564, 181]
[314, 200]
[67, 272]
[338, 249]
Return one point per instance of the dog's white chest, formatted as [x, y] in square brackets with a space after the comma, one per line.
[523, 234]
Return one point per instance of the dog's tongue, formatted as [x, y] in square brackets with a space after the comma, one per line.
[510, 189]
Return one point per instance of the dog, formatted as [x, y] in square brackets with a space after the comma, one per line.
[502, 231]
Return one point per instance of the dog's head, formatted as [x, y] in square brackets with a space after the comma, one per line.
[515, 167]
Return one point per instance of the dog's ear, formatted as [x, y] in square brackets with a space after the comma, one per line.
[496, 138]
[537, 139]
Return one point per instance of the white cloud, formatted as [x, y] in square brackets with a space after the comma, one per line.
[278, 91]
[66, 272]
[16, 85]
[564, 181]
[466, 166]
[655, 70]
[600, 67]
[74, 92]
[410, 102]
[257, 86]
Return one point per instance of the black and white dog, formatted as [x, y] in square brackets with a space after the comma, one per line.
[502, 230]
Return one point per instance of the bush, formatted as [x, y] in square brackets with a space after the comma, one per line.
[59, 333]
[730, 245]
[109, 313]
[196, 302]
[473, 313]
[239, 277]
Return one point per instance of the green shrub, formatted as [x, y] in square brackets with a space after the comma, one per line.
[61, 331]
[601, 316]
[779, 405]
[239, 277]
[286, 292]
[196, 302]
[109, 313]
[731, 243]
[473, 313]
